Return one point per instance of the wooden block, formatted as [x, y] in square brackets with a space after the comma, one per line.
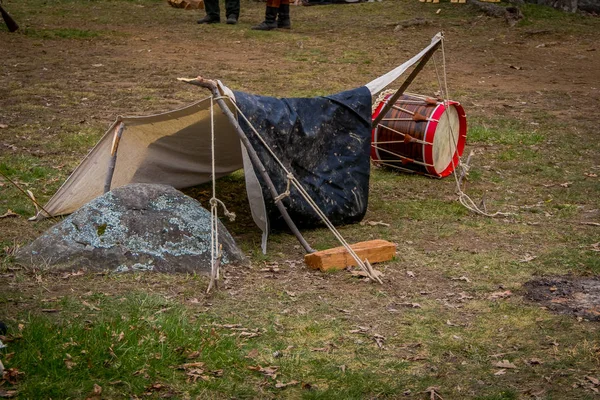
[339, 258]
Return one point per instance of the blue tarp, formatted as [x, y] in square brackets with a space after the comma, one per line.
[325, 142]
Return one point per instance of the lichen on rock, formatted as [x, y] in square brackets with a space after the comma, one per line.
[138, 227]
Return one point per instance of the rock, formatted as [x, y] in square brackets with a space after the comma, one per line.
[143, 227]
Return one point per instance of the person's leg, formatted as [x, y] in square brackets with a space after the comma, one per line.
[232, 11]
[213, 12]
[283, 17]
[270, 21]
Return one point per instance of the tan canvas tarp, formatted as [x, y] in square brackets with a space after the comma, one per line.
[172, 148]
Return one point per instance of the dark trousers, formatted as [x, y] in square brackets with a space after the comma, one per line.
[232, 7]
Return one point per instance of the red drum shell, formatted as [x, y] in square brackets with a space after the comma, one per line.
[434, 158]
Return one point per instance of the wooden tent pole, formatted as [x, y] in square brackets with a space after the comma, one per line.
[392, 100]
[212, 86]
[113, 157]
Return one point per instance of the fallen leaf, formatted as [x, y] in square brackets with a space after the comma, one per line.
[281, 385]
[7, 394]
[194, 354]
[516, 67]
[462, 278]
[379, 340]
[3, 126]
[191, 365]
[527, 258]
[252, 354]
[70, 274]
[590, 174]
[12, 375]
[410, 274]
[90, 306]
[500, 295]
[361, 329]
[249, 335]
[97, 389]
[566, 184]
[500, 372]
[271, 371]
[433, 392]
[411, 305]
[505, 364]
[595, 381]
[68, 360]
[596, 247]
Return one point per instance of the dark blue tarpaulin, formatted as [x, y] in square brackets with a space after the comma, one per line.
[324, 142]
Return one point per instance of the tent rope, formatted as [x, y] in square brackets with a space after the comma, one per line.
[463, 198]
[291, 178]
[216, 249]
[287, 189]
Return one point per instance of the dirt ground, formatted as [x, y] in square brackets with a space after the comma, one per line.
[531, 93]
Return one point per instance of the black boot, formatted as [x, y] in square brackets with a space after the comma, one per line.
[270, 20]
[209, 19]
[283, 18]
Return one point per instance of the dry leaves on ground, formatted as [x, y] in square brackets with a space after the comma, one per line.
[500, 295]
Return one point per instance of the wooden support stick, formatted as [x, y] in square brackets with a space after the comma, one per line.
[392, 100]
[113, 157]
[212, 86]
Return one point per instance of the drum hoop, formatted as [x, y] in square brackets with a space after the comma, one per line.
[461, 139]
[430, 132]
[460, 142]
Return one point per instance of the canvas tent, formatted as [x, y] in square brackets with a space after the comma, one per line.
[174, 148]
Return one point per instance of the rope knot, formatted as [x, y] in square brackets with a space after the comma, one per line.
[214, 203]
[290, 178]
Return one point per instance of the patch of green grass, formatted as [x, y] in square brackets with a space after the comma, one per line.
[125, 346]
[503, 131]
[30, 173]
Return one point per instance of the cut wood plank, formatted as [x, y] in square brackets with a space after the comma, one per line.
[339, 258]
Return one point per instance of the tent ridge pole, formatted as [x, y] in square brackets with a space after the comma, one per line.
[113, 157]
[212, 86]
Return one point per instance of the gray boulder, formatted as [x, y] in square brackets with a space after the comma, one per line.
[134, 227]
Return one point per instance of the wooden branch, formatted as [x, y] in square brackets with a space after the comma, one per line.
[113, 158]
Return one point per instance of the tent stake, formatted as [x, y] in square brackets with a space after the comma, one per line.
[212, 86]
[392, 100]
[113, 158]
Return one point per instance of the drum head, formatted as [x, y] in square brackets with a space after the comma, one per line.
[446, 139]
